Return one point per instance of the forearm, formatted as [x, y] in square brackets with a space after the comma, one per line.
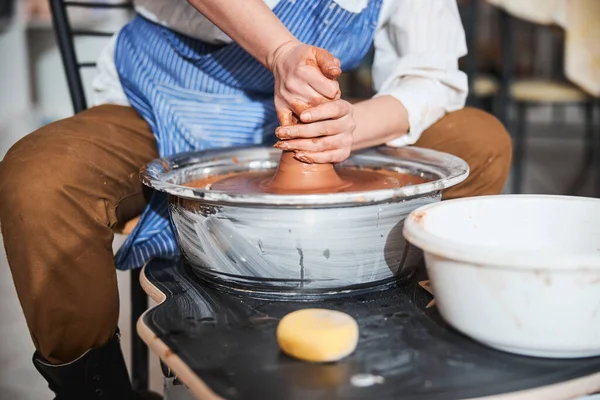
[250, 23]
[378, 121]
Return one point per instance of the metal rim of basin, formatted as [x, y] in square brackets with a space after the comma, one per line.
[168, 175]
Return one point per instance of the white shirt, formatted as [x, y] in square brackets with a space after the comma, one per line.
[417, 47]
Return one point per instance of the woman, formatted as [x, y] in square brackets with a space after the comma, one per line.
[171, 81]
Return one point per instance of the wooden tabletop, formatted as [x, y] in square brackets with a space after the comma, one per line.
[222, 345]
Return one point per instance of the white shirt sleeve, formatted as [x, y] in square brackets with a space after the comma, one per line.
[417, 48]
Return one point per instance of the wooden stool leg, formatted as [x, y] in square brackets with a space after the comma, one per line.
[519, 147]
[139, 351]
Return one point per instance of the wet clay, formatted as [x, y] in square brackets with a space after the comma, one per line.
[297, 176]
[350, 180]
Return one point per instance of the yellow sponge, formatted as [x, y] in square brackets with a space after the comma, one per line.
[317, 335]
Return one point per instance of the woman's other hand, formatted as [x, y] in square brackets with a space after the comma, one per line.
[326, 134]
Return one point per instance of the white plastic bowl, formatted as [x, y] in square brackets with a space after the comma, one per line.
[517, 273]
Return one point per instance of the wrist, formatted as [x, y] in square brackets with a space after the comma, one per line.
[282, 48]
[379, 120]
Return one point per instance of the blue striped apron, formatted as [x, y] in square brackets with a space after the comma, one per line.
[199, 96]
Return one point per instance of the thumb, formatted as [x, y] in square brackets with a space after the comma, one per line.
[327, 63]
[286, 117]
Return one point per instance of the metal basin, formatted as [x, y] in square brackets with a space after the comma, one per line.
[298, 244]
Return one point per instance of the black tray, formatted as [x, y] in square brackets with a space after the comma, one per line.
[405, 349]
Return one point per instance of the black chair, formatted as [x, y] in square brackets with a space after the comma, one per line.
[7, 11]
[483, 88]
[65, 35]
[523, 93]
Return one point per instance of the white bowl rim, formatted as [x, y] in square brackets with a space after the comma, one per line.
[492, 256]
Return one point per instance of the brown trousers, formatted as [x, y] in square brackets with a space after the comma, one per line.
[66, 186]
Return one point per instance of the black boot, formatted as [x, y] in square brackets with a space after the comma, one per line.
[99, 374]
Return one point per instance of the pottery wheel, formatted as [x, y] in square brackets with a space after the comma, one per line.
[225, 344]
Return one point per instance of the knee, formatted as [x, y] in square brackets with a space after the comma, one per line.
[494, 139]
[20, 185]
[485, 135]
[486, 146]
[493, 144]
[47, 175]
[31, 180]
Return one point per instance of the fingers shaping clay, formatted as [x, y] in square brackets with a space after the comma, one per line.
[293, 175]
[317, 335]
[297, 177]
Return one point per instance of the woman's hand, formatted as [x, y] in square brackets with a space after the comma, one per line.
[325, 136]
[306, 86]
[305, 76]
